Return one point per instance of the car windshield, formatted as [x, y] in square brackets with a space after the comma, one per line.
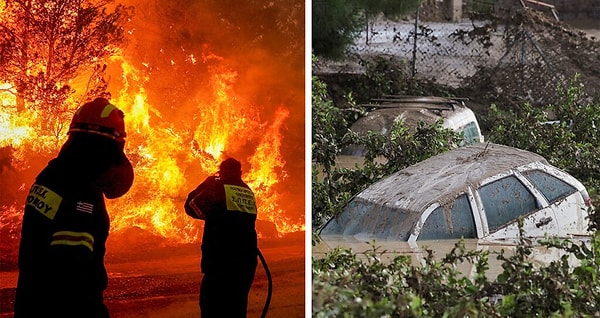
[377, 221]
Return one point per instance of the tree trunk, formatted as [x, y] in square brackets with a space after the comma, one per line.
[20, 99]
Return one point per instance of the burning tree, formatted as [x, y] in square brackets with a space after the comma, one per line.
[45, 45]
[197, 80]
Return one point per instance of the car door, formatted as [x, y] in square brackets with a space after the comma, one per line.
[562, 197]
[504, 198]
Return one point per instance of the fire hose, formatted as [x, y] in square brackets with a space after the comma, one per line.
[270, 284]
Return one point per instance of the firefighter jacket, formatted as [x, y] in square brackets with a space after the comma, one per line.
[64, 231]
[228, 208]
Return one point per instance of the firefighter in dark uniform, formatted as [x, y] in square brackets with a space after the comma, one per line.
[65, 223]
[229, 243]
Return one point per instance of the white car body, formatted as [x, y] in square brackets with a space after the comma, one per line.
[411, 110]
[492, 184]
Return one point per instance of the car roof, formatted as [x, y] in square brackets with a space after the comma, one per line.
[381, 120]
[437, 179]
[410, 109]
[447, 174]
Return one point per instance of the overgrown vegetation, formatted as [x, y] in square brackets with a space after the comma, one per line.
[337, 23]
[350, 285]
[346, 284]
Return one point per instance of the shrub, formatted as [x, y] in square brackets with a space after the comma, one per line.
[349, 285]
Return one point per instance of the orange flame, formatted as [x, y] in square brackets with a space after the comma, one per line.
[170, 161]
[223, 125]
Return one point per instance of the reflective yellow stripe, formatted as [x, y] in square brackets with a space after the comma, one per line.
[107, 110]
[73, 239]
[73, 243]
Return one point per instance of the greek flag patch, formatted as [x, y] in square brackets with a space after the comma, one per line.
[84, 207]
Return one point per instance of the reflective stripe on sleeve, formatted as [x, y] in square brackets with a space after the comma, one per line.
[73, 239]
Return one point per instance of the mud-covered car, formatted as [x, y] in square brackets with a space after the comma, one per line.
[476, 191]
[412, 110]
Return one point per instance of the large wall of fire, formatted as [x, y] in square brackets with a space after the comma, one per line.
[198, 81]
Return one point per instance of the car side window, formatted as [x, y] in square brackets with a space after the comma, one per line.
[471, 134]
[504, 200]
[552, 187]
[454, 225]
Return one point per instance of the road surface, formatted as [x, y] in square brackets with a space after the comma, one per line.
[160, 281]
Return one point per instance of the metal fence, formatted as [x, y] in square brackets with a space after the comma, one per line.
[526, 55]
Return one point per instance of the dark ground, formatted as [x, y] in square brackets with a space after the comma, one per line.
[164, 281]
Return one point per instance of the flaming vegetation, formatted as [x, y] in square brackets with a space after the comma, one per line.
[188, 104]
[161, 156]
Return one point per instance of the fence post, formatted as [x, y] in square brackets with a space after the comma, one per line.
[455, 9]
[414, 57]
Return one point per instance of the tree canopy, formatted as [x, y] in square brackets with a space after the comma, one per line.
[45, 44]
[337, 23]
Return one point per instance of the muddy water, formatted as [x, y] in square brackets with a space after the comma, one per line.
[349, 161]
[388, 250]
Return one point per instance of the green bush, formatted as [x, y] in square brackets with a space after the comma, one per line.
[565, 133]
[346, 284]
[349, 285]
